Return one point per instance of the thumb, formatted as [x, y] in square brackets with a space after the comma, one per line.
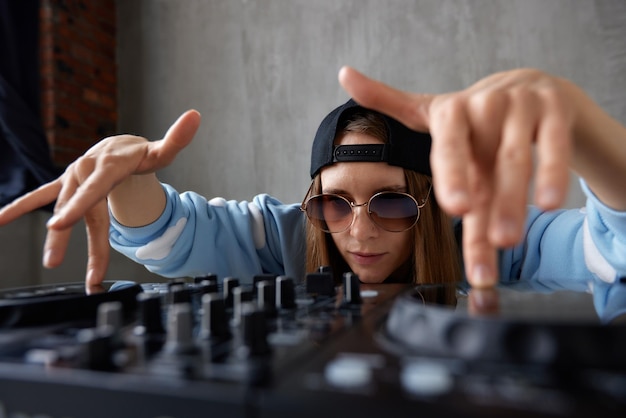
[409, 108]
[178, 136]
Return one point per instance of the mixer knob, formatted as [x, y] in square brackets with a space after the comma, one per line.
[263, 278]
[214, 323]
[208, 277]
[179, 330]
[320, 284]
[150, 319]
[325, 269]
[266, 297]
[97, 348]
[150, 328]
[242, 298]
[255, 332]
[230, 283]
[110, 315]
[180, 294]
[175, 282]
[285, 293]
[208, 286]
[351, 289]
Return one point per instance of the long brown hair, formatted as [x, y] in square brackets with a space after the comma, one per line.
[435, 257]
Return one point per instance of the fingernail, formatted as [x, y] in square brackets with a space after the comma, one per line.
[507, 229]
[48, 258]
[458, 198]
[483, 276]
[54, 219]
[91, 277]
[484, 301]
[549, 197]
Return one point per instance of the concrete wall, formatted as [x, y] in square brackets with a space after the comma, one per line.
[21, 252]
[263, 74]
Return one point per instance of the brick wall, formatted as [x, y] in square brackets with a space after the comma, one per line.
[78, 73]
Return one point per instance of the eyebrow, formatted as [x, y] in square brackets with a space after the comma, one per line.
[342, 192]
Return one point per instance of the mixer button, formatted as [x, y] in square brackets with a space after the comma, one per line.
[426, 378]
[348, 373]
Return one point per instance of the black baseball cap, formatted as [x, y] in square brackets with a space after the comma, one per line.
[406, 148]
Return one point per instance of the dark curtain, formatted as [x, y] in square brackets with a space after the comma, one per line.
[25, 161]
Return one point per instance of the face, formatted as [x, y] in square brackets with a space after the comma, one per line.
[371, 252]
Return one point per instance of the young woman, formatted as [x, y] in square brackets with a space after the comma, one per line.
[376, 216]
[370, 212]
[370, 206]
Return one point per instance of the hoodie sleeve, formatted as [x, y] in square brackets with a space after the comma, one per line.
[604, 239]
[574, 246]
[194, 237]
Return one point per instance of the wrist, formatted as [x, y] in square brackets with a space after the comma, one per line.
[139, 200]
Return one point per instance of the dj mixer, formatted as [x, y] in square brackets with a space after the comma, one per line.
[311, 348]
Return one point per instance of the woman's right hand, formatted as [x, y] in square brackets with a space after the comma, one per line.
[495, 139]
[124, 165]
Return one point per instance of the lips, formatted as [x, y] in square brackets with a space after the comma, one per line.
[366, 258]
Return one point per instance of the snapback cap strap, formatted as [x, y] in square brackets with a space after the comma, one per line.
[364, 152]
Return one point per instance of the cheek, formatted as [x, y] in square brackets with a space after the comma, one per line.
[401, 250]
[404, 245]
[342, 241]
[337, 240]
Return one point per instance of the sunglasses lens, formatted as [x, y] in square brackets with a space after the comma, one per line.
[394, 212]
[329, 213]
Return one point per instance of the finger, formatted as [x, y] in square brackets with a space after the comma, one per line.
[450, 154]
[57, 239]
[409, 108]
[486, 112]
[513, 170]
[73, 200]
[94, 289]
[30, 201]
[478, 253]
[97, 227]
[84, 198]
[178, 136]
[55, 247]
[553, 154]
[90, 180]
[483, 302]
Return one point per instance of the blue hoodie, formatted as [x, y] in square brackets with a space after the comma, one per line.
[576, 248]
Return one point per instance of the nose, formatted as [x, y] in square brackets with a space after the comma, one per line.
[362, 226]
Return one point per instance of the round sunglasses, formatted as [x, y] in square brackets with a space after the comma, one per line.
[391, 211]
